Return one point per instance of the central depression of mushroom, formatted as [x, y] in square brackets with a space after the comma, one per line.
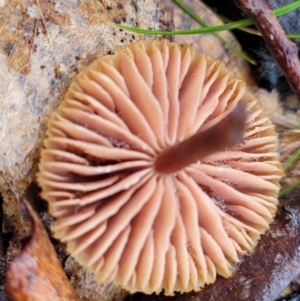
[128, 221]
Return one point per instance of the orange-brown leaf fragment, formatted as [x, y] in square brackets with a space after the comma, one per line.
[36, 273]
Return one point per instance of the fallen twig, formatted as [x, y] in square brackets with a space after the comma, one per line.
[283, 49]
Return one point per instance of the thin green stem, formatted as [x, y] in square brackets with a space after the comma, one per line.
[286, 8]
[229, 26]
[287, 189]
[192, 14]
[294, 36]
[292, 160]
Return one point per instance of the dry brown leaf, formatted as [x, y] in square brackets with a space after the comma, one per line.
[36, 273]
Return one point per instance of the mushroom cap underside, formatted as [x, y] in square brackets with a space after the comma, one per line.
[129, 223]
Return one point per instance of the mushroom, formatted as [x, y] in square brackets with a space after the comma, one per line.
[158, 178]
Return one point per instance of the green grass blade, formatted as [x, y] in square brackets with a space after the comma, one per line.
[292, 160]
[287, 8]
[287, 189]
[294, 36]
[192, 14]
[229, 26]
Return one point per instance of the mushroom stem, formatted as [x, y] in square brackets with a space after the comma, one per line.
[226, 133]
